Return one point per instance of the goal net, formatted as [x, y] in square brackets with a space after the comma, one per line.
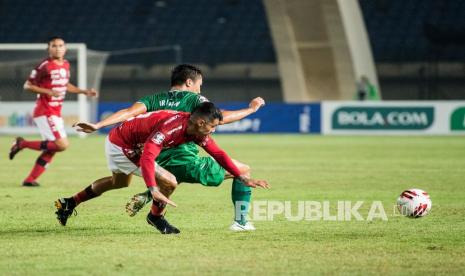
[16, 105]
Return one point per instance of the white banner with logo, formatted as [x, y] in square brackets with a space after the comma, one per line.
[16, 117]
[393, 117]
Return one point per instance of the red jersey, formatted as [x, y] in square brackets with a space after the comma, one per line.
[50, 75]
[143, 137]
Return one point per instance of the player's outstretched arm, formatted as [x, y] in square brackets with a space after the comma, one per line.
[118, 117]
[210, 146]
[76, 90]
[230, 116]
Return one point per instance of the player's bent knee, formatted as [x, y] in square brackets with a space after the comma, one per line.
[169, 183]
[62, 145]
[172, 183]
[173, 180]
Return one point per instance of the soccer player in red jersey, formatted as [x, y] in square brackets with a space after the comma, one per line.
[50, 81]
[132, 147]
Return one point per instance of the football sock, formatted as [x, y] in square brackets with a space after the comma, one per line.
[84, 195]
[240, 195]
[157, 208]
[39, 167]
[39, 145]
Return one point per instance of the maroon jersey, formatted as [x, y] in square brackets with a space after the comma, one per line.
[50, 75]
[157, 130]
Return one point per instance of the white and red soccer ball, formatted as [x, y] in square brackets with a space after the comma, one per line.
[414, 203]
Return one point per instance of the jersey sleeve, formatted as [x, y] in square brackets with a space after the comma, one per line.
[149, 102]
[152, 148]
[193, 100]
[198, 100]
[36, 74]
[210, 146]
[202, 99]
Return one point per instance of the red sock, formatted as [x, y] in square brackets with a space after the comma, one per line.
[41, 164]
[39, 145]
[157, 208]
[84, 195]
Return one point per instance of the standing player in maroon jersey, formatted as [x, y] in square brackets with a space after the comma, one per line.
[50, 81]
[132, 147]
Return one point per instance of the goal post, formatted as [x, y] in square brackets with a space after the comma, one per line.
[16, 62]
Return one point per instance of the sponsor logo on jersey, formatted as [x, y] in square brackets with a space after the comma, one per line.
[158, 138]
[63, 72]
[174, 130]
[59, 76]
[60, 82]
[170, 119]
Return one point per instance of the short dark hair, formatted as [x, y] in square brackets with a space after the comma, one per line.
[53, 38]
[182, 72]
[208, 111]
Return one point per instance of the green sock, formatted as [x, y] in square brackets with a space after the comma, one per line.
[240, 195]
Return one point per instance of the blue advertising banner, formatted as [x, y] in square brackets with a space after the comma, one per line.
[276, 118]
[105, 109]
[272, 118]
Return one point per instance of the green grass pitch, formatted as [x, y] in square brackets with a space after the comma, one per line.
[103, 240]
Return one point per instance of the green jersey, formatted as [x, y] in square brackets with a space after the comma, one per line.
[173, 100]
[180, 101]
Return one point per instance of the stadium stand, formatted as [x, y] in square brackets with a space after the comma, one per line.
[237, 29]
[417, 30]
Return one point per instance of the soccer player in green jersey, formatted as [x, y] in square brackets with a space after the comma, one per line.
[183, 161]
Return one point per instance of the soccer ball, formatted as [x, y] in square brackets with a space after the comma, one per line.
[414, 203]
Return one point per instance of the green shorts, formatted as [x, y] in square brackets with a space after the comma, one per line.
[203, 170]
